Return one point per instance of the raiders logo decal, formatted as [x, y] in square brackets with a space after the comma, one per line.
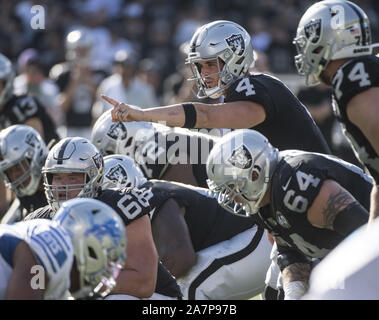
[313, 30]
[241, 158]
[98, 160]
[117, 173]
[236, 43]
[117, 130]
[31, 140]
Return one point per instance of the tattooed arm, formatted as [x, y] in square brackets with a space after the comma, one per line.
[336, 209]
[295, 269]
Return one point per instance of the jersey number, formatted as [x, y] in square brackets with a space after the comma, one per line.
[245, 84]
[132, 209]
[299, 203]
[357, 73]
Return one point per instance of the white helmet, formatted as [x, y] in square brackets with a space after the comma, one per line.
[119, 137]
[22, 146]
[6, 76]
[71, 155]
[121, 171]
[224, 40]
[330, 30]
[241, 165]
[99, 238]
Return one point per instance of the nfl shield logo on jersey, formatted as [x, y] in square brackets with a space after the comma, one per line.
[312, 30]
[282, 220]
[236, 43]
[241, 158]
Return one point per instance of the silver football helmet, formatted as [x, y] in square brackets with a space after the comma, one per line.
[22, 155]
[239, 169]
[73, 155]
[221, 40]
[119, 137]
[99, 238]
[330, 30]
[7, 75]
[121, 172]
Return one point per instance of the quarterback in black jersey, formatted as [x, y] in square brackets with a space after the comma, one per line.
[22, 155]
[220, 56]
[160, 151]
[75, 168]
[308, 201]
[340, 55]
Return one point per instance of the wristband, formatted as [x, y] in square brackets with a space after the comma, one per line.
[190, 115]
[294, 290]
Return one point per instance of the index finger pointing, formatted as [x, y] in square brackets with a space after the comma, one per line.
[110, 100]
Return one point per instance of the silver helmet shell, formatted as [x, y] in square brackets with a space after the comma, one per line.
[73, 155]
[22, 146]
[221, 40]
[122, 172]
[330, 30]
[239, 169]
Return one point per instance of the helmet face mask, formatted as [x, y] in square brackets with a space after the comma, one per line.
[23, 153]
[72, 156]
[239, 168]
[99, 238]
[227, 43]
[330, 30]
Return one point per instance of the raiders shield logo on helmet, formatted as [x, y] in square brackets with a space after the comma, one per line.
[117, 130]
[117, 173]
[236, 43]
[31, 140]
[241, 158]
[312, 30]
[98, 160]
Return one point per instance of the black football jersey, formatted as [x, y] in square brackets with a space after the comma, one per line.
[288, 124]
[295, 184]
[208, 223]
[156, 154]
[20, 109]
[353, 77]
[33, 202]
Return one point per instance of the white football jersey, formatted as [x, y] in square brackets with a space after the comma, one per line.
[52, 247]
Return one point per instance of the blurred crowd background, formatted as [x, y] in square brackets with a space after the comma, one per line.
[134, 51]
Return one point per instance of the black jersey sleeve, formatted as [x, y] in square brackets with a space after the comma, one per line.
[130, 204]
[248, 89]
[354, 77]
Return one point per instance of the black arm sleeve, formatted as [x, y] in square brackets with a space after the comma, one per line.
[350, 218]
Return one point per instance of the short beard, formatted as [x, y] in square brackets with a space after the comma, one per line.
[324, 78]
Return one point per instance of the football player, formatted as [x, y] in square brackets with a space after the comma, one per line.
[213, 254]
[161, 152]
[22, 109]
[75, 168]
[220, 57]
[308, 201]
[22, 156]
[333, 41]
[82, 251]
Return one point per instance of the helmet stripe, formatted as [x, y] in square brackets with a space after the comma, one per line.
[62, 150]
[361, 22]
